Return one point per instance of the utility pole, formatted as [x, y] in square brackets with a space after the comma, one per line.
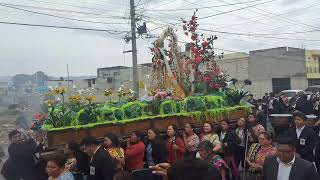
[134, 49]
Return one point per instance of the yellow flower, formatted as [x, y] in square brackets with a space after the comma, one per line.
[141, 84]
[152, 93]
[49, 102]
[90, 98]
[75, 98]
[59, 90]
[108, 92]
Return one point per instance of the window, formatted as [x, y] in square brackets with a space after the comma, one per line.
[116, 74]
[308, 58]
[93, 81]
[315, 70]
[307, 70]
[279, 84]
[315, 58]
[109, 80]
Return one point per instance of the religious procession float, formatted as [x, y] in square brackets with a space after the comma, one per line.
[185, 88]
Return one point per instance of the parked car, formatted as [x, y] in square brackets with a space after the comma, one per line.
[292, 93]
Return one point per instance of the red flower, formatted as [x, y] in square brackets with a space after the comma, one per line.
[33, 125]
[194, 66]
[201, 77]
[193, 17]
[207, 79]
[192, 29]
[205, 44]
[192, 23]
[194, 37]
[217, 86]
[198, 59]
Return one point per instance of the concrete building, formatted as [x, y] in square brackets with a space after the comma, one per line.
[4, 88]
[270, 70]
[114, 77]
[313, 67]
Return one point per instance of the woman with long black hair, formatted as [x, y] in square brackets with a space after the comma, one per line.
[155, 148]
[175, 145]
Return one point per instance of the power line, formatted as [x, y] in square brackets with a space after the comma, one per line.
[237, 16]
[75, 6]
[279, 14]
[226, 12]
[204, 7]
[245, 34]
[258, 34]
[63, 10]
[56, 16]
[234, 51]
[275, 15]
[116, 32]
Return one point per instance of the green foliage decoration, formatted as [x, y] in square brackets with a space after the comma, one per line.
[194, 104]
[168, 107]
[213, 102]
[133, 109]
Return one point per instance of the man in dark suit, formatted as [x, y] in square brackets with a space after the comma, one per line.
[274, 106]
[101, 164]
[262, 113]
[251, 100]
[304, 105]
[287, 166]
[21, 163]
[317, 149]
[304, 136]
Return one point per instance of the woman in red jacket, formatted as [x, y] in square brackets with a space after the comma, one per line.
[134, 152]
[175, 145]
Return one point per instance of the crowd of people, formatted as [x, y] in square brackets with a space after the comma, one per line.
[212, 152]
[280, 103]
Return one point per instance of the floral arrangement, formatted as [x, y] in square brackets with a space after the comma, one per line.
[75, 98]
[90, 98]
[59, 90]
[205, 68]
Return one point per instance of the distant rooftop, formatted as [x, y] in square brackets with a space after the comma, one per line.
[237, 55]
[113, 67]
[146, 64]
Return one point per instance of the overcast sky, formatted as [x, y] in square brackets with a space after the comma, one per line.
[25, 49]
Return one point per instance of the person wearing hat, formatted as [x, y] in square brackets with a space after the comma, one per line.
[134, 152]
[214, 161]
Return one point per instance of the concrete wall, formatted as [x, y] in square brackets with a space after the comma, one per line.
[276, 63]
[123, 76]
[235, 68]
[299, 83]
